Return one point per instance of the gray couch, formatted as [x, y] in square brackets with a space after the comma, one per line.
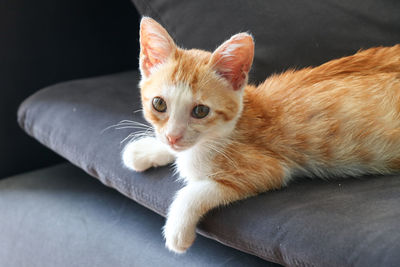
[60, 216]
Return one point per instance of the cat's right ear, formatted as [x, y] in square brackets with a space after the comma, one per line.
[156, 46]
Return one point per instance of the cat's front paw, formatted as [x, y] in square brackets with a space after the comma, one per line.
[145, 153]
[178, 237]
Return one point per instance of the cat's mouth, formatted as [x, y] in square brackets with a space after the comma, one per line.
[178, 148]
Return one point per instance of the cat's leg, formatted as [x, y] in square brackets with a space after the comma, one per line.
[190, 204]
[145, 153]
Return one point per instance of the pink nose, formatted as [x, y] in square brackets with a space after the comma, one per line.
[173, 139]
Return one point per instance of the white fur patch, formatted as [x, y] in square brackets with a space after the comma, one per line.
[194, 163]
[190, 204]
[145, 153]
[180, 100]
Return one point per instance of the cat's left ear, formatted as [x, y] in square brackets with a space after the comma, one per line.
[233, 59]
[156, 46]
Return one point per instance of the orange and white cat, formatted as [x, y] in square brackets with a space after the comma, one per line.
[231, 140]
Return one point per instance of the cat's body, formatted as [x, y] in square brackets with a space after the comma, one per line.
[339, 119]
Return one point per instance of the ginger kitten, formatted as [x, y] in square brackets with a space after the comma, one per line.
[231, 140]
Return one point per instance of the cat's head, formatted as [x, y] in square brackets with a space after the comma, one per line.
[191, 96]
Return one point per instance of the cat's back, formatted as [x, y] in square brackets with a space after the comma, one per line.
[358, 69]
[346, 111]
[368, 80]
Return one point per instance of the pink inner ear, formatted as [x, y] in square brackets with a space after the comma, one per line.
[233, 59]
[156, 46]
[151, 57]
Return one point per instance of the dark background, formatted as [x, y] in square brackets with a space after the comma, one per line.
[45, 42]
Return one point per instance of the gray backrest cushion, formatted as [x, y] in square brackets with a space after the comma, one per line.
[352, 222]
[288, 34]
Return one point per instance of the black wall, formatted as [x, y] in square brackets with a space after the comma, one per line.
[44, 42]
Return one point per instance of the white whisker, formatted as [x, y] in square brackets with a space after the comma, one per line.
[140, 130]
[126, 123]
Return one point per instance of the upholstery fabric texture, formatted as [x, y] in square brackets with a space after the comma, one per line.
[347, 222]
[288, 34]
[66, 218]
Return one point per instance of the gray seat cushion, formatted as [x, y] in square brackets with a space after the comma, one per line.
[352, 222]
[62, 217]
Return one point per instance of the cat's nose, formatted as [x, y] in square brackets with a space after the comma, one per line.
[173, 139]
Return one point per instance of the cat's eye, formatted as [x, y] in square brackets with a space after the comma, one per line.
[200, 111]
[159, 104]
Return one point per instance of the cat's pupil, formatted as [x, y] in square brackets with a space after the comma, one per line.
[159, 104]
[200, 111]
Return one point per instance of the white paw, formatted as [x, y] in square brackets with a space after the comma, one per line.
[146, 153]
[178, 237]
